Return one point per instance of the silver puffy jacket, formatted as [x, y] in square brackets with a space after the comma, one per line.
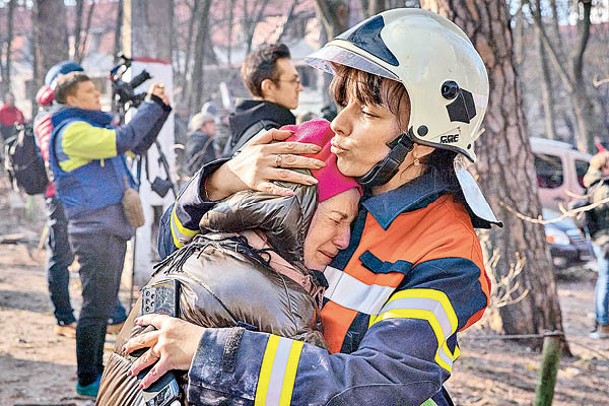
[223, 281]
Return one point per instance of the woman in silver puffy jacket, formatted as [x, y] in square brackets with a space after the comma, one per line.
[257, 264]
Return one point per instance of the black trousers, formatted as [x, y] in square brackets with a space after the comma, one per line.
[101, 257]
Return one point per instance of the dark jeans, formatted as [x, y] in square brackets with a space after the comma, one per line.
[101, 258]
[59, 257]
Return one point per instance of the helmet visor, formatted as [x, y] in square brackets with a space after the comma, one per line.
[323, 59]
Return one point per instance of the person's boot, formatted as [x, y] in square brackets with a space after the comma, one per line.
[89, 390]
[602, 331]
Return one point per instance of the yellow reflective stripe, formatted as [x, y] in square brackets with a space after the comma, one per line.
[430, 305]
[265, 370]
[278, 372]
[429, 402]
[179, 233]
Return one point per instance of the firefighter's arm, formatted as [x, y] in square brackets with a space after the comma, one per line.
[180, 222]
[262, 161]
[404, 358]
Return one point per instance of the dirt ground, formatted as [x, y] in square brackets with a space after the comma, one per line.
[39, 368]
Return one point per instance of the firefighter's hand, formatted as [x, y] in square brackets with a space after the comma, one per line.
[261, 161]
[172, 345]
[158, 90]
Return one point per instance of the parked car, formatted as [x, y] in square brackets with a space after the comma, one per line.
[568, 245]
[560, 170]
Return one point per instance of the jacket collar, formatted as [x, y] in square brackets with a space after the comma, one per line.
[96, 118]
[411, 196]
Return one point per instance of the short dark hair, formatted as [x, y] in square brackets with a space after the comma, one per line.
[371, 89]
[67, 85]
[262, 64]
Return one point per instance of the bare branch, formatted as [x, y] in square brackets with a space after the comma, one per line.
[553, 53]
[599, 82]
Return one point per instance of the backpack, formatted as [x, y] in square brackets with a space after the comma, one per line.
[23, 162]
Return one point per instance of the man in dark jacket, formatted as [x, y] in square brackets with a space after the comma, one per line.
[201, 147]
[272, 80]
[87, 157]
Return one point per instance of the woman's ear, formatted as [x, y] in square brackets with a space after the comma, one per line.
[420, 151]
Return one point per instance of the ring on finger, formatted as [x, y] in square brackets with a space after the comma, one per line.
[278, 159]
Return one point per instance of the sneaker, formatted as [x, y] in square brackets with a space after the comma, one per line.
[602, 331]
[115, 328]
[89, 390]
[68, 330]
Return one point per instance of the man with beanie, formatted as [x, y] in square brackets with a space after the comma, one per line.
[59, 255]
[90, 174]
[272, 80]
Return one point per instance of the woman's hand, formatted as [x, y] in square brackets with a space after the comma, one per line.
[171, 346]
[261, 161]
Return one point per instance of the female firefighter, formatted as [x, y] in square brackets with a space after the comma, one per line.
[412, 92]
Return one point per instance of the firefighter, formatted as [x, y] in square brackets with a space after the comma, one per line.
[412, 92]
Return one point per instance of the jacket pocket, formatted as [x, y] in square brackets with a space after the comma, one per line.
[376, 265]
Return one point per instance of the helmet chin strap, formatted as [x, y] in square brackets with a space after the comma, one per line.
[383, 171]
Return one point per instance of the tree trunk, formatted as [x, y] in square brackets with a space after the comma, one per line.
[288, 20]
[257, 13]
[80, 8]
[118, 37]
[335, 16]
[202, 37]
[506, 172]
[376, 6]
[231, 17]
[83, 46]
[187, 79]
[5, 68]
[50, 37]
[588, 122]
[118, 28]
[547, 94]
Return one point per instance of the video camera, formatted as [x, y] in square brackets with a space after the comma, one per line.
[124, 92]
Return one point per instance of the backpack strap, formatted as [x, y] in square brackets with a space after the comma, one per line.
[247, 135]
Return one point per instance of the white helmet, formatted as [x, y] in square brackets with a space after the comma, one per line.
[443, 74]
[435, 61]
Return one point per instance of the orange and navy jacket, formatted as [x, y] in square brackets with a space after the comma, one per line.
[411, 279]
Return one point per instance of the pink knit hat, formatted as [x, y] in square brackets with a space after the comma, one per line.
[331, 181]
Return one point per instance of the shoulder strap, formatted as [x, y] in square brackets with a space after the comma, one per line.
[200, 153]
[250, 132]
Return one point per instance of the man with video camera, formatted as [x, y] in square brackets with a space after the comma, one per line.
[87, 157]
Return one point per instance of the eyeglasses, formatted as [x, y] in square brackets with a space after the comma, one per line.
[293, 82]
